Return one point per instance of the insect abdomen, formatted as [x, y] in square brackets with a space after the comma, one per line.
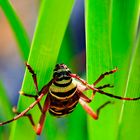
[63, 97]
[60, 108]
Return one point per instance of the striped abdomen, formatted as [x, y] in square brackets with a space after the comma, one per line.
[63, 97]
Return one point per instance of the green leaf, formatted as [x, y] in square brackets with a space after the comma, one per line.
[17, 27]
[125, 16]
[6, 112]
[69, 131]
[98, 45]
[119, 33]
[66, 50]
[130, 113]
[46, 43]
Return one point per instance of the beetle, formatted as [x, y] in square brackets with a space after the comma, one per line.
[64, 91]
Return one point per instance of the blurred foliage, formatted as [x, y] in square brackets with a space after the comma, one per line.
[17, 27]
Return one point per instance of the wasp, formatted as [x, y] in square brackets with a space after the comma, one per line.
[63, 92]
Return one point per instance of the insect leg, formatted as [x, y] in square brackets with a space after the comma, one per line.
[38, 128]
[83, 82]
[101, 87]
[87, 99]
[117, 97]
[88, 86]
[43, 116]
[105, 86]
[31, 120]
[88, 109]
[94, 84]
[29, 116]
[100, 91]
[43, 91]
[84, 97]
[33, 76]
[103, 75]
[32, 96]
[25, 111]
[35, 83]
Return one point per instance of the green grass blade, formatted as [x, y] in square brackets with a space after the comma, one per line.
[43, 56]
[98, 33]
[66, 50]
[5, 112]
[125, 15]
[129, 118]
[17, 27]
[66, 56]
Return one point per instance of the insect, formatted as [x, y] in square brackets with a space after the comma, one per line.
[64, 92]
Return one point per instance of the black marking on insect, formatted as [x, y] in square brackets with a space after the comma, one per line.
[63, 94]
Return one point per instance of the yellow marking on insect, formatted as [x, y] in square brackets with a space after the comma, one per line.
[61, 70]
[63, 81]
[74, 103]
[55, 88]
[59, 113]
[71, 110]
[63, 107]
[63, 98]
[57, 108]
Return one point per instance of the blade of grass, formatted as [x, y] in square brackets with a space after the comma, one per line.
[17, 27]
[5, 112]
[129, 125]
[77, 129]
[66, 50]
[66, 56]
[98, 33]
[125, 15]
[43, 55]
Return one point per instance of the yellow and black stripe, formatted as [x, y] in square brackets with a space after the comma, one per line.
[62, 93]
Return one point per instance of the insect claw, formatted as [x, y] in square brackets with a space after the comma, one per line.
[35, 128]
[21, 92]
[116, 68]
[26, 63]
[14, 109]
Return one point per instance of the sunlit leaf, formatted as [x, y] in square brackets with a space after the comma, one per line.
[47, 40]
